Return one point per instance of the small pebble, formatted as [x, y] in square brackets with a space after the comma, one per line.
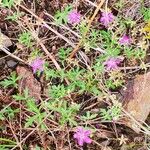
[11, 63]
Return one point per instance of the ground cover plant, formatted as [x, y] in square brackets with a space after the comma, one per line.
[76, 75]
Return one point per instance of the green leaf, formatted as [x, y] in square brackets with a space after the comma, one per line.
[146, 13]
[58, 91]
[7, 3]
[31, 120]
[61, 16]
[11, 81]
[31, 106]
[25, 96]
[26, 38]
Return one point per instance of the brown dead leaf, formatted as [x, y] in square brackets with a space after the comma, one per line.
[28, 81]
[137, 96]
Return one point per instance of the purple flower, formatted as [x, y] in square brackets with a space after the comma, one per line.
[112, 63]
[74, 17]
[125, 40]
[82, 136]
[107, 18]
[37, 64]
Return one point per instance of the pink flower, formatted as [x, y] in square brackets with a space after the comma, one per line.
[107, 18]
[112, 63]
[82, 136]
[37, 64]
[125, 40]
[74, 17]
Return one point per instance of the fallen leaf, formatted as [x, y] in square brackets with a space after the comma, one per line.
[28, 81]
[137, 96]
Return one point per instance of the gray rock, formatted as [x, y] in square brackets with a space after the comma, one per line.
[11, 63]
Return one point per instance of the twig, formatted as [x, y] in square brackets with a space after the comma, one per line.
[19, 144]
[88, 26]
[147, 65]
[91, 3]
[6, 50]
[48, 54]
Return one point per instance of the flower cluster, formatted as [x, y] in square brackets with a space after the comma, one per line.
[82, 136]
[112, 63]
[37, 64]
[107, 18]
[125, 40]
[74, 17]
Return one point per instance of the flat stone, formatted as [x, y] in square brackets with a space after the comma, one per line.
[28, 81]
[137, 97]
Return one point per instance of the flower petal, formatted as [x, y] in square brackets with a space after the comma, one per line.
[88, 140]
[80, 141]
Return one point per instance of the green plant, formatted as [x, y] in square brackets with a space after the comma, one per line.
[11, 81]
[91, 40]
[8, 112]
[35, 53]
[7, 3]
[75, 74]
[112, 113]
[93, 37]
[63, 54]
[88, 116]
[9, 144]
[37, 116]
[119, 4]
[129, 52]
[114, 84]
[61, 16]
[98, 65]
[25, 38]
[140, 54]
[57, 92]
[23, 97]
[88, 83]
[50, 73]
[67, 112]
[82, 28]
[134, 53]
[115, 80]
[38, 148]
[62, 74]
[146, 13]
[126, 22]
